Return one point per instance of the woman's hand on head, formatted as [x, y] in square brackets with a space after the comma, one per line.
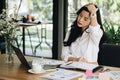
[93, 16]
[91, 7]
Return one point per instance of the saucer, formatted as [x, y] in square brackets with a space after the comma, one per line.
[31, 71]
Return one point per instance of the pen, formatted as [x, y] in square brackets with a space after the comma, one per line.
[69, 63]
[105, 70]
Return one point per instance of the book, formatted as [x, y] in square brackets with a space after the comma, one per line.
[82, 66]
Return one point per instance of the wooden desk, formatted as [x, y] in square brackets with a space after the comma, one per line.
[16, 71]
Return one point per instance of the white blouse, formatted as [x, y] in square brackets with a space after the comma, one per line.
[86, 46]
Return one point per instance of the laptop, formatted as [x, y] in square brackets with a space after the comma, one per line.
[22, 58]
[27, 64]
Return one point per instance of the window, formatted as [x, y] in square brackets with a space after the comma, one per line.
[42, 11]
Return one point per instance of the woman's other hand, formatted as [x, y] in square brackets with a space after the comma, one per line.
[82, 59]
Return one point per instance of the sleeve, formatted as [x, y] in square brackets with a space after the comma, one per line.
[66, 49]
[95, 33]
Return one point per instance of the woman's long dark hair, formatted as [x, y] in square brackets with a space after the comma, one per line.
[76, 31]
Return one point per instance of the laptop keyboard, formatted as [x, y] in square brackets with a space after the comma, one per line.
[48, 62]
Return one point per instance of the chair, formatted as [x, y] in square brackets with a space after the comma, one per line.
[109, 55]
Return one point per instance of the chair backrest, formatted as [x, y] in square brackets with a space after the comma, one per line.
[109, 55]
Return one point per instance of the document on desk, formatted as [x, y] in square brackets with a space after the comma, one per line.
[81, 66]
[62, 74]
[115, 75]
[48, 62]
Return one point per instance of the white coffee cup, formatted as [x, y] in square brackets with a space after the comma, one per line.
[37, 68]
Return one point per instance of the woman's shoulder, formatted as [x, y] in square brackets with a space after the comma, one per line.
[96, 26]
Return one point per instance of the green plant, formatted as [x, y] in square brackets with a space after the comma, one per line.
[112, 33]
[7, 25]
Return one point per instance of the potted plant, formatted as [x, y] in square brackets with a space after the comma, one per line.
[112, 33]
[7, 29]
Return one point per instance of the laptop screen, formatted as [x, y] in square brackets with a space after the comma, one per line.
[21, 57]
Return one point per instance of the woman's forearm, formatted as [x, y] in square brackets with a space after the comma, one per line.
[73, 59]
[93, 20]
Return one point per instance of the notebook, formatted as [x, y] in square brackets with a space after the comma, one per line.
[82, 66]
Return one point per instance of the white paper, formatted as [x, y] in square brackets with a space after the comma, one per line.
[48, 62]
[62, 74]
[93, 77]
[115, 75]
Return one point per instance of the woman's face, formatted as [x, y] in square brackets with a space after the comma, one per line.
[83, 19]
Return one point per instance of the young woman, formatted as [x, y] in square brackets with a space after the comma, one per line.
[82, 42]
